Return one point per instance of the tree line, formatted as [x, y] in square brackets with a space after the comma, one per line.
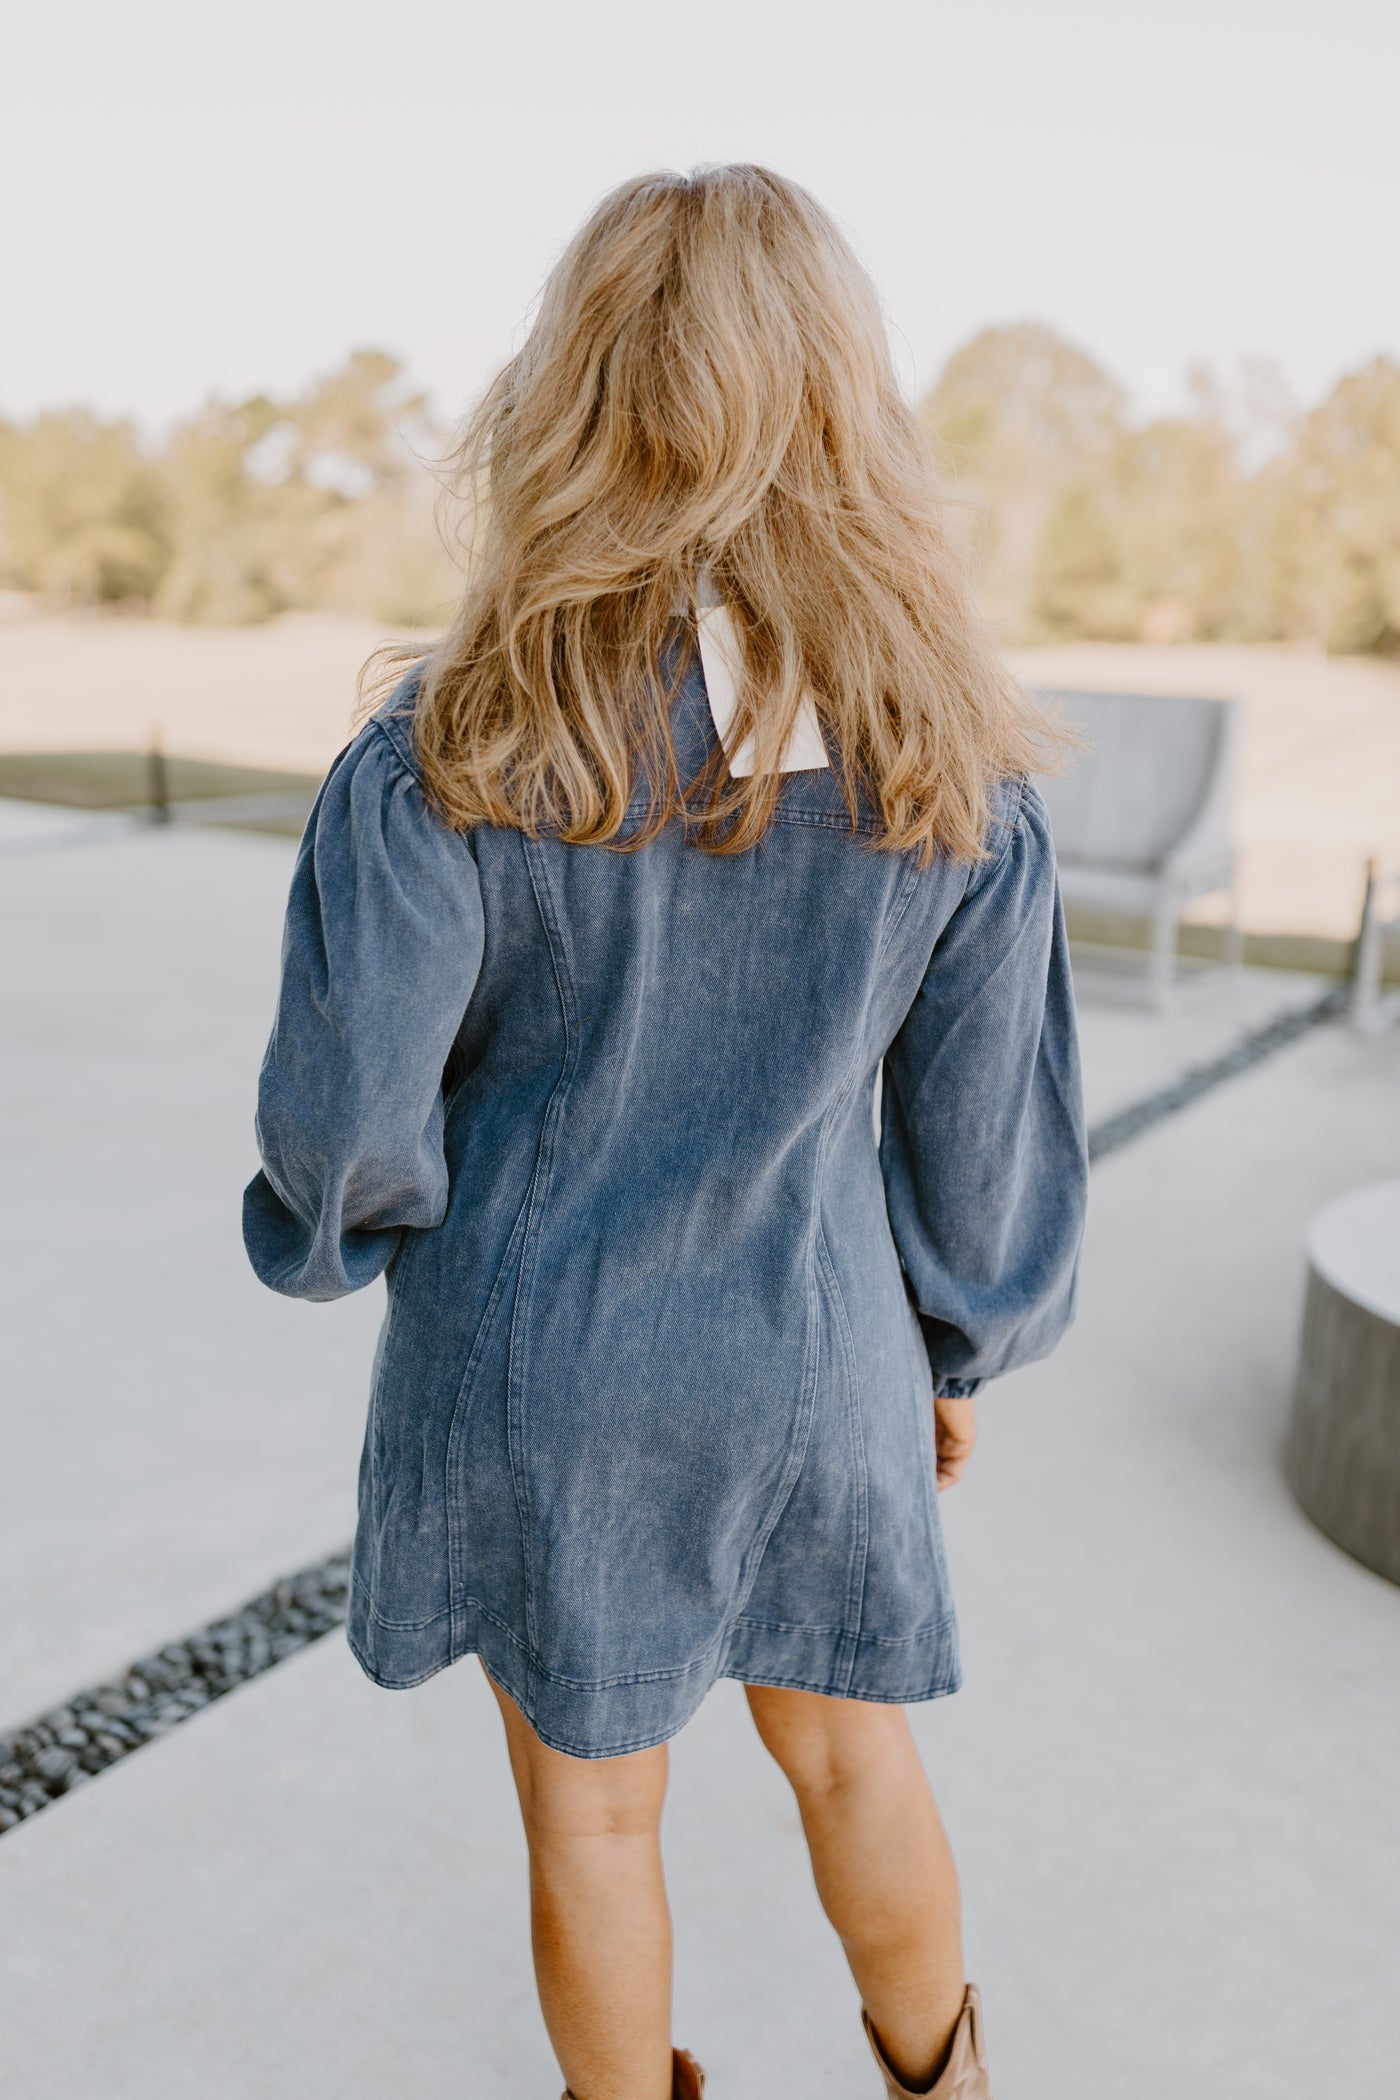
[244, 510]
[1240, 519]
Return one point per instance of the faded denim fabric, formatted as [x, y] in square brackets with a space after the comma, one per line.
[652, 1399]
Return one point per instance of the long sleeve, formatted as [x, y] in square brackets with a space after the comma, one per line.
[383, 943]
[982, 1138]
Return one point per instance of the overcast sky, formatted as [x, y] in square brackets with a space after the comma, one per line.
[228, 200]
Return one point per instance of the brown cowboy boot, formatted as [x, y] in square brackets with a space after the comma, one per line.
[687, 2078]
[964, 2074]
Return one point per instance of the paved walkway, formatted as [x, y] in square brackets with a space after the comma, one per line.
[1170, 1779]
[183, 1435]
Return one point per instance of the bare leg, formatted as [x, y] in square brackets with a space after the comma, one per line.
[599, 1924]
[881, 1863]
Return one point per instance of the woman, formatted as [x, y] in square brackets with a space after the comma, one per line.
[712, 805]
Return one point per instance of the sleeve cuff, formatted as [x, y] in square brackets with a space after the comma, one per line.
[956, 1388]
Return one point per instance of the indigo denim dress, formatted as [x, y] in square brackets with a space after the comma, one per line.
[652, 1401]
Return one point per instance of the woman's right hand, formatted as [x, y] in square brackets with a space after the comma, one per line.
[954, 1434]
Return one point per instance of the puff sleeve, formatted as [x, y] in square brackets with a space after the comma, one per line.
[382, 945]
[982, 1123]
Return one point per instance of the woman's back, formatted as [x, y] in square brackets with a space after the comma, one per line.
[598, 947]
[652, 1401]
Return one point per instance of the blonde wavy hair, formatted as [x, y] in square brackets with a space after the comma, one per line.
[707, 385]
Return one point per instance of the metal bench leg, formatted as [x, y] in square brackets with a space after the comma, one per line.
[1366, 966]
[1161, 966]
[1232, 937]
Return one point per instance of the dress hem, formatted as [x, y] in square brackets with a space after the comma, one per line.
[632, 1714]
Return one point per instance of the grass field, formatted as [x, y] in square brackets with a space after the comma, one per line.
[126, 779]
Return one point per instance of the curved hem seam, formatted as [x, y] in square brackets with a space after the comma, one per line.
[943, 1688]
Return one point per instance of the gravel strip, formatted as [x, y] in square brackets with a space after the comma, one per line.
[92, 1730]
[1244, 1053]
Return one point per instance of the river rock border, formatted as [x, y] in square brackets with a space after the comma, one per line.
[1244, 1053]
[92, 1730]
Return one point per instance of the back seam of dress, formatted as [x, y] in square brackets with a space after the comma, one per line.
[525, 1280]
[812, 1358]
[462, 1410]
[850, 1097]
[797, 1449]
[855, 1576]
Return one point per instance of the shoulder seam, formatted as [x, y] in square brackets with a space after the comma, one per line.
[387, 725]
[401, 750]
[1013, 825]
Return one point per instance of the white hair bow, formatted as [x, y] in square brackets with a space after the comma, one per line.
[722, 661]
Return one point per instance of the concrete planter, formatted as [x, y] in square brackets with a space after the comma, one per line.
[1344, 1450]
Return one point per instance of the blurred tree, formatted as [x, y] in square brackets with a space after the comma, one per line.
[364, 437]
[354, 427]
[1238, 520]
[1078, 586]
[250, 508]
[1179, 495]
[1341, 508]
[227, 519]
[314, 502]
[1022, 419]
[82, 511]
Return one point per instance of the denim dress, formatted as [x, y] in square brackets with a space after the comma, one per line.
[694, 1179]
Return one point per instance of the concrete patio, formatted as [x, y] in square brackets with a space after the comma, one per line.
[1170, 1779]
